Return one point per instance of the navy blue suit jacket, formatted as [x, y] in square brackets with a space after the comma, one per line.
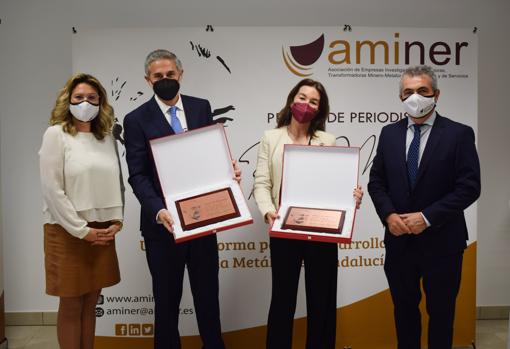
[141, 125]
[448, 182]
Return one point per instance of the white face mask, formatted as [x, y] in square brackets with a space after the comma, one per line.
[417, 106]
[84, 111]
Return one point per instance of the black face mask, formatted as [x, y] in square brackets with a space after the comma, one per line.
[166, 89]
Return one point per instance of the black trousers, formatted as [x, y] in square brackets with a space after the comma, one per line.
[166, 261]
[321, 270]
[441, 282]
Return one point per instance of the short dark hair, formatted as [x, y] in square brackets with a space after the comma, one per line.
[418, 70]
[319, 122]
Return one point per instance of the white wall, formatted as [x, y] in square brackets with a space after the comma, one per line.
[35, 41]
[2, 303]
[35, 61]
[493, 284]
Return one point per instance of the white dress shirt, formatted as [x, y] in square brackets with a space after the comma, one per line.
[165, 109]
[424, 134]
[424, 137]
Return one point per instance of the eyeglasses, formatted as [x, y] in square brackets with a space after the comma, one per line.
[91, 98]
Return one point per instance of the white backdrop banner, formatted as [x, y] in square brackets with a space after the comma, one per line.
[246, 74]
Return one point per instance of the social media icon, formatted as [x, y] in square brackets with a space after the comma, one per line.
[135, 330]
[121, 329]
[147, 329]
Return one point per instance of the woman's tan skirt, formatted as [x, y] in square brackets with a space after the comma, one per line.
[73, 266]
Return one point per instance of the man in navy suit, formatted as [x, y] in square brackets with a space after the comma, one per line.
[167, 113]
[425, 174]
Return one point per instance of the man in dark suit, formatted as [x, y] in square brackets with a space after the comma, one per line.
[425, 174]
[166, 113]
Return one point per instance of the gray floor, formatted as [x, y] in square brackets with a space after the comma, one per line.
[491, 334]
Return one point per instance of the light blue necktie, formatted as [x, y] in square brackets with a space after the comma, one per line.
[413, 155]
[174, 120]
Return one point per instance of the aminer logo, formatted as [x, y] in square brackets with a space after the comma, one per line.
[301, 58]
[393, 52]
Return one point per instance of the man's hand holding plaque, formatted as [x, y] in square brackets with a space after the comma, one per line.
[164, 217]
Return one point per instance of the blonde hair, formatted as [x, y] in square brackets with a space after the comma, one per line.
[60, 115]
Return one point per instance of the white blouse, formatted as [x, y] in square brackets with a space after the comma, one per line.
[80, 179]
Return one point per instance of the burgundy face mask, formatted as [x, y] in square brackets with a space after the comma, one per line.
[303, 112]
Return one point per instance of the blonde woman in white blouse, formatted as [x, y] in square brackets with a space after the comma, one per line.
[82, 206]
